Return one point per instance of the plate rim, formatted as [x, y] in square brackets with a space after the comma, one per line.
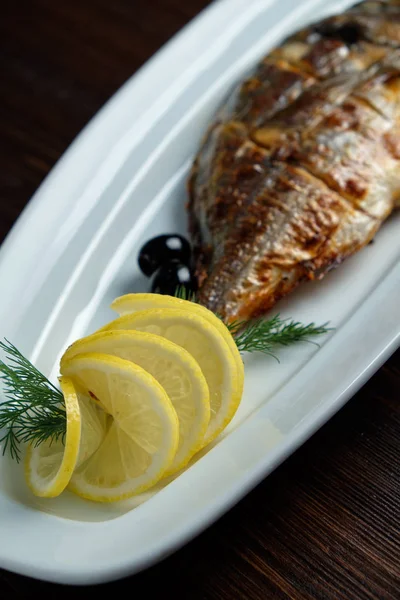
[390, 341]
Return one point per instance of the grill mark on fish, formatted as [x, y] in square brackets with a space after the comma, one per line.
[351, 205]
[272, 88]
[351, 133]
[306, 233]
[368, 103]
[298, 170]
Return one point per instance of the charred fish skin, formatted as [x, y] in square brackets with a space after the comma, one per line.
[301, 165]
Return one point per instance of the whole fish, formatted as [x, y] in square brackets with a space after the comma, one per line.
[301, 166]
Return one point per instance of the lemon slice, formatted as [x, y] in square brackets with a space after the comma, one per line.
[173, 367]
[129, 303]
[143, 430]
[49, 466]
[203, 341]
[94, 422]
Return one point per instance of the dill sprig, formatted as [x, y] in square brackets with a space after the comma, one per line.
[183, 293]
[264, 335]
[34, 410]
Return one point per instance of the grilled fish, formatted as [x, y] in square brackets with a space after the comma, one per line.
[301, 165]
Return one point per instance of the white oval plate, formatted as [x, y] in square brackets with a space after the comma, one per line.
[74, 250]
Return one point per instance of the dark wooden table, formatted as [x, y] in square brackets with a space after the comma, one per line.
[326, 524]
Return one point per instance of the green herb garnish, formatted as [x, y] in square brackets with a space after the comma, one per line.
[263, 335]
[35, 412]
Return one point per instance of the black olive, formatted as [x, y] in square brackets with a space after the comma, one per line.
[162, 249]
[172, 275]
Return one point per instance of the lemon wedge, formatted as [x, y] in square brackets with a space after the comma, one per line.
[130, 303]
[173, 367]
[49, 465]
[203, 341]
[142, 431]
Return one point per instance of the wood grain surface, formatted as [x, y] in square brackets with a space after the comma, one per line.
[326, 524]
